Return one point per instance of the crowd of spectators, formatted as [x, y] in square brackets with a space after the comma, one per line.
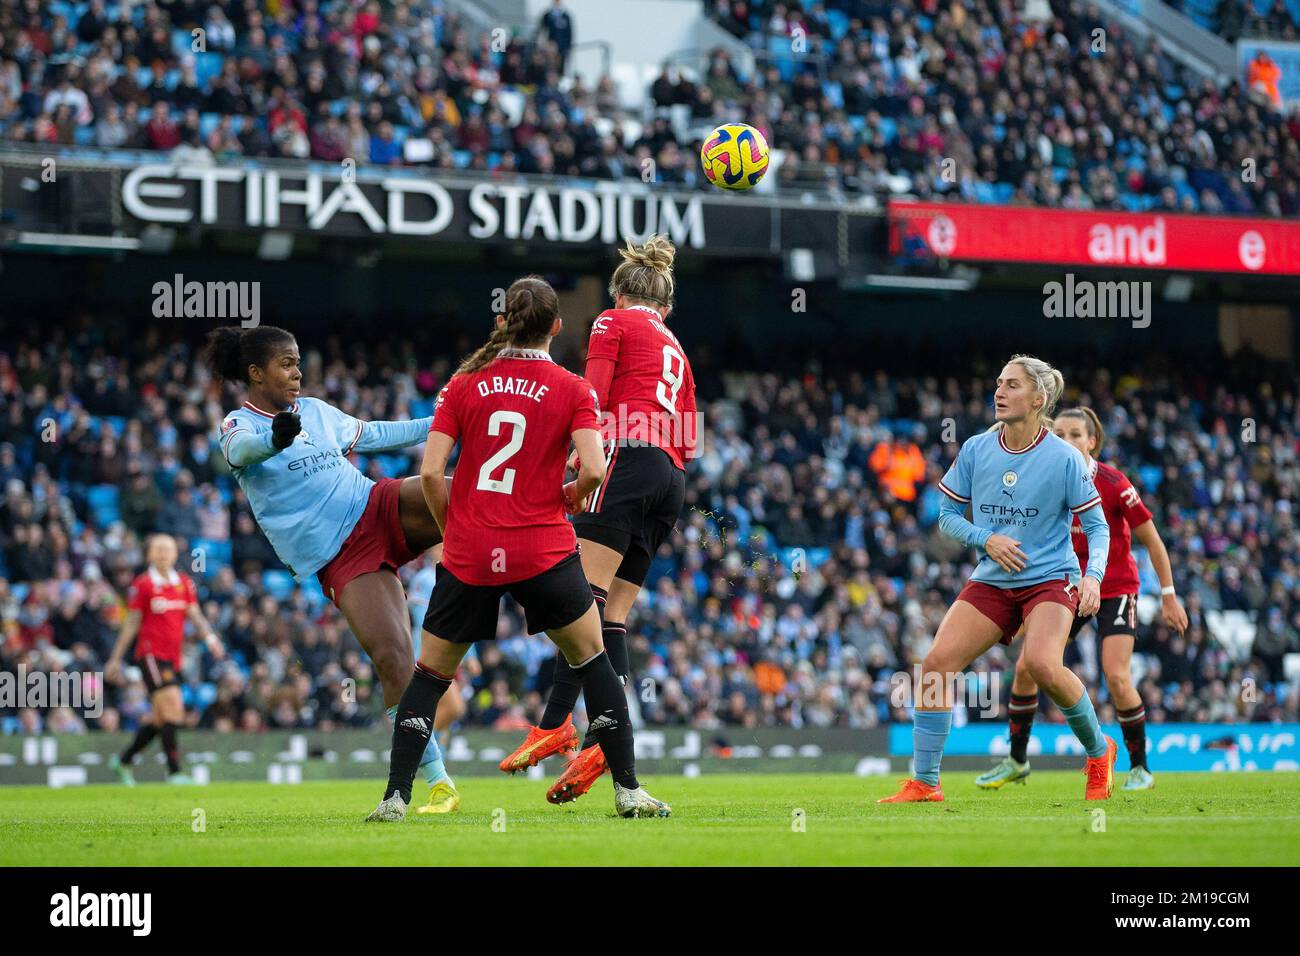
[807, 570]
[1069, 111]
[863, 99]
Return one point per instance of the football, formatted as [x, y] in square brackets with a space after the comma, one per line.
[734, 156]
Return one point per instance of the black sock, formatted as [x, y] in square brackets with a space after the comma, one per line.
[143, 737]
[615, 638]
[412, 727]
[1134, 724]
[565, 687]
[610, 723]
[563, 696]
[1021, 713]
[170, 748]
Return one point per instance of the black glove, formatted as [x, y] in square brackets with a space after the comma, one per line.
[284, 428]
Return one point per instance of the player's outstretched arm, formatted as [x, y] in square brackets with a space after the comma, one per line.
[432, 481]
[1174, 614]
[390, 436]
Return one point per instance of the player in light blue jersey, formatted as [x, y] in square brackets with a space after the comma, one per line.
[322, 515]
[1023, 486]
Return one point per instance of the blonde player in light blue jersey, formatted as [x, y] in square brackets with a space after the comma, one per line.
[1023, 486]
[322, 515]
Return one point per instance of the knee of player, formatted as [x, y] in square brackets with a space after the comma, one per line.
[1118, 678]
[939, 663]
[1040, 668]
[395, 661]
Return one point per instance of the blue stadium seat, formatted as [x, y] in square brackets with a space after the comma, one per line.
[1004, 191]
[311, 590]
[839, 23]
[279, 584]
[889, 128]
[206, 66]
[216, 554]
[103, 500]
[84, 135]
[835, 93]
[182, 41]
[1152, 476]
[207, 123]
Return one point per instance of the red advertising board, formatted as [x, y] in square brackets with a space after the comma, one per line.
[1118, 240]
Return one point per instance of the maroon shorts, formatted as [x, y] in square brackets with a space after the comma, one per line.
[376, 542]
[1008, 607]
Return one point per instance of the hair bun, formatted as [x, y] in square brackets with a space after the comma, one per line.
[657, 253]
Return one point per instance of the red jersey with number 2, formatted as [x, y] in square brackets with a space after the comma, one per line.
[513, 419]
[1124, 510]
[652, 391]
[162, 603]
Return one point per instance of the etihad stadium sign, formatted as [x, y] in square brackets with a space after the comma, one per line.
[409, 206]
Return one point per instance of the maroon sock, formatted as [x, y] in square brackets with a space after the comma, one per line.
[1020, 713]
[1134, 724]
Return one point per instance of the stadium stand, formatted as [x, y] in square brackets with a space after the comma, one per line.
[808, 570]
[867, 104]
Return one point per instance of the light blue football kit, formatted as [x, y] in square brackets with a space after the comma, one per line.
[1031, 495]
[308, 497]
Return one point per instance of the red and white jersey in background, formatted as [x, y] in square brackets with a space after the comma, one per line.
[1124, 510]
[162, 603]
[650, 395]
[513, 419]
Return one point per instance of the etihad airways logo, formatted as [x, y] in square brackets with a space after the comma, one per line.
[1006, 511]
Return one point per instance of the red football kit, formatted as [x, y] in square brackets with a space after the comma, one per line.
[506, 520]
[643, 381]
[162, 603]
[1124, 510]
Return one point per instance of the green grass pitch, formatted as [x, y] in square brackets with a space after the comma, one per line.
[1246, 819]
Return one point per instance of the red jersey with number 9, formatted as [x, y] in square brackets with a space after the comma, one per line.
[652, 391]
[513, 419]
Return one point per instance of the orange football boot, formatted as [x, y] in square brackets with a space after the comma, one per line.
[915, 791]
[540, 745]
[1101, 773]
[582, 771]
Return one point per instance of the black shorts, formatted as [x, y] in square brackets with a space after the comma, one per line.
[635, 508]
[1117, 615]
[158, 673]
[464, 613]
